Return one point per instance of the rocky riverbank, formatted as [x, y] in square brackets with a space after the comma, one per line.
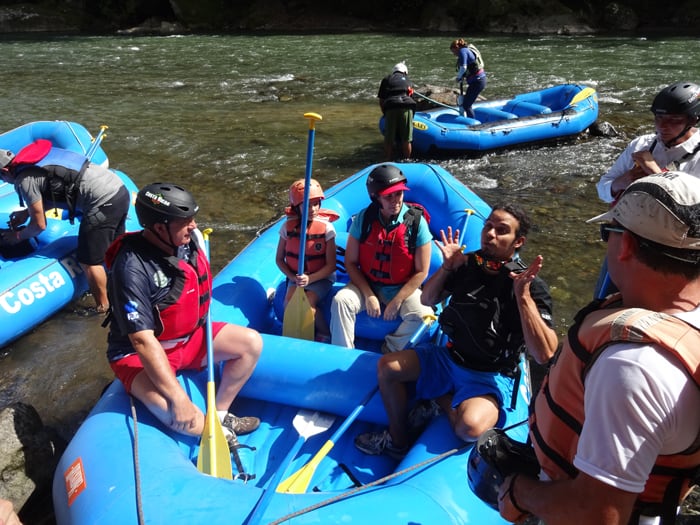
[464, 17]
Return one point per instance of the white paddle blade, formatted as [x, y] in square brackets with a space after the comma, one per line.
[309, 423]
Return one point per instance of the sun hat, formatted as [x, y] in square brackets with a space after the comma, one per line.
[663, 208]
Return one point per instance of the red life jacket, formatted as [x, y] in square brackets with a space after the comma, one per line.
[387, 257]
[315, 252]
[185, 307]
[558, 417]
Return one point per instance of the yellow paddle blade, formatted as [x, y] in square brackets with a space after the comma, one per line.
[214, 457]
[298, 317]
[582, 95]
[298, 482]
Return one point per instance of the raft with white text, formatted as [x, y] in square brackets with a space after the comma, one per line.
[40, 276]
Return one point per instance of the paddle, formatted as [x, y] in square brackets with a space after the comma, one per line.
[298, 319]
[299, 481]
[581, 95]
[96, 142]
[435, 101]
[214, 457]
[307, 424]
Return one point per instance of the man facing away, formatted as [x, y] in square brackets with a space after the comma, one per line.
[616, 422]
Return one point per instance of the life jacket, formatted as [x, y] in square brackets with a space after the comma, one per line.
[482, 321]
[558, 415]
[476, 66]
[397, 92]
[676, 164]
[315, 251]
[64, 169]
[387, 256]
[185, 307]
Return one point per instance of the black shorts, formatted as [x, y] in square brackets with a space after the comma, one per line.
[99, 227]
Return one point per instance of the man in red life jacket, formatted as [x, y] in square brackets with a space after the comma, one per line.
[387, 260]
[615, 425]
[160, 290]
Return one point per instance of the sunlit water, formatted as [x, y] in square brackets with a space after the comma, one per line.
[223, 115]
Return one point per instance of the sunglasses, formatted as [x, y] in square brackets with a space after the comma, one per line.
[605, 230]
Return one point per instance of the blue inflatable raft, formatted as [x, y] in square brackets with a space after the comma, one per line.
[125, 467]
[546, 115]
[38, 281]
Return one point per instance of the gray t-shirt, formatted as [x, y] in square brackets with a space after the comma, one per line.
[97, 186]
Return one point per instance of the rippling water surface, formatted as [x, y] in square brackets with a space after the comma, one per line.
[223, 115]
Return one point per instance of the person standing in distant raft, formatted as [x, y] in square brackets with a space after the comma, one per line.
[470, 68]
[318, 273]
[395, 99]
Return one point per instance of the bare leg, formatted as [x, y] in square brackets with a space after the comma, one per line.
[394, 371]
[97, 282]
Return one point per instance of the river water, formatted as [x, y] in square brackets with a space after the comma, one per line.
[223, 115]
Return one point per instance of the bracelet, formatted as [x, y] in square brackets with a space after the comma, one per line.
[512, 496]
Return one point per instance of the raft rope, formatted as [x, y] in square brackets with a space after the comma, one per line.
[137, 469]
[379, 481]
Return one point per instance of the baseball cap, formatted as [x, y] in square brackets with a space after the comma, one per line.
[394, 188]
[663, 208]
[6, 157]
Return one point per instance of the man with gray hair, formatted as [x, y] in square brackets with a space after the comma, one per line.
[616, 423]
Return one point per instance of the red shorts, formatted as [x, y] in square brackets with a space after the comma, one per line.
[189, 356]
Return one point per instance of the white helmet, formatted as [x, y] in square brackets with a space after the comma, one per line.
[400, 68]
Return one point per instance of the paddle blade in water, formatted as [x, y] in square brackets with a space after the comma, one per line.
[298, 317]
[214, 457]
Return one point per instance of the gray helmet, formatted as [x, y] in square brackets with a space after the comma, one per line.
[680, 98]
[6, 157]
[162, 201]
[383, 177]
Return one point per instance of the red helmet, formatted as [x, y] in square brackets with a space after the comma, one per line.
[296, 191]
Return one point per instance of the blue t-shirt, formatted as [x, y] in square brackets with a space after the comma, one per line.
[423, 237]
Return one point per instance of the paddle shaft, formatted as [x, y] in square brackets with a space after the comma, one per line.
[263, 502]
[307, 182]
[435, 101]
[95, 143]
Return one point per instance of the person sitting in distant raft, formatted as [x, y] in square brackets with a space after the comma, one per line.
[160, 286]
[319, 265]
[65, 179]
[397, 104]
[675, 145]
[470, 69]
[387, 259]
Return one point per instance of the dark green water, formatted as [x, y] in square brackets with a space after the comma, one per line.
[223, 115]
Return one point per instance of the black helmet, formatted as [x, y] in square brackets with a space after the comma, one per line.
[680, 98]
[383, 177]
[162, 201]
[494, 457]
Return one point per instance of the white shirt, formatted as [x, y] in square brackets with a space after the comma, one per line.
[670, 158]
[639, 402]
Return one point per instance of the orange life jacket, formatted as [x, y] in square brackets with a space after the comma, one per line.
[315, 252]
[558, 415]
